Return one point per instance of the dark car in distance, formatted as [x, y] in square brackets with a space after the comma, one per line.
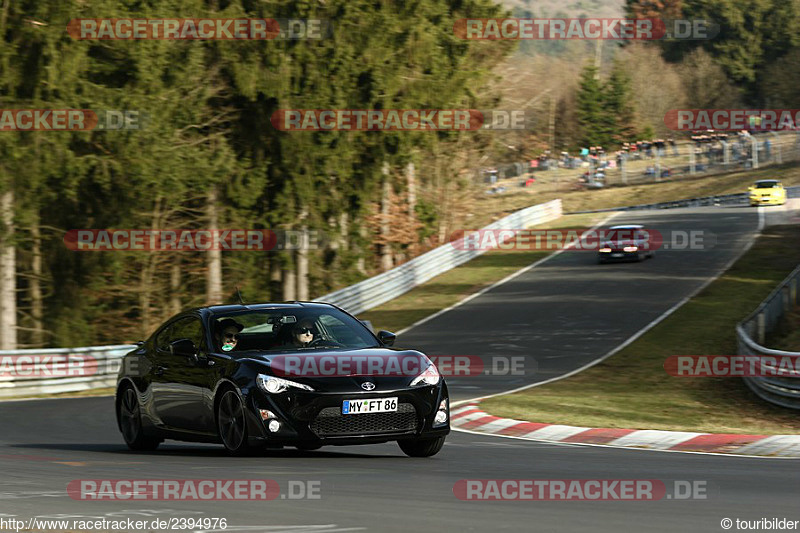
[630, 242]
[300, 374]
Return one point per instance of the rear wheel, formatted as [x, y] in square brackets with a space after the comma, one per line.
[130, 422]
[421, 447]
[232, 424]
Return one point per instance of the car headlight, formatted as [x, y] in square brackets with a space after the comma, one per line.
[630, 248]
[429, 376]
[604, 250]
[273, 385]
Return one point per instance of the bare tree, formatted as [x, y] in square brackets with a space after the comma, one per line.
[8, 278]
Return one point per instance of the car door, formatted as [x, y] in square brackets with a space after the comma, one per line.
[178, 379]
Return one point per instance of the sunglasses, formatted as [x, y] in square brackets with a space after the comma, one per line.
[234, 336]
[303, 331]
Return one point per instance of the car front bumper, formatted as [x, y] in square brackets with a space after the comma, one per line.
[766, 200]
[618, 255]
[316, 419]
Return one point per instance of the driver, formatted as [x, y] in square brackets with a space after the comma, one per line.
[228, 334]
[304, 333]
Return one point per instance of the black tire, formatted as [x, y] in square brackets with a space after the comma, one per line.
[232, 423]
[129, 415]
[421, 447]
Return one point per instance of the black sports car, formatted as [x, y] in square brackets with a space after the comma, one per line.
[301, 374]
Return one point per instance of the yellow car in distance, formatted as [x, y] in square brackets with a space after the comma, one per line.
[767, 192]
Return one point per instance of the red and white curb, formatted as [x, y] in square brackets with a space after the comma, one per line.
[470, 417]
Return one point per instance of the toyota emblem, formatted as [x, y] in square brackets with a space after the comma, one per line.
[368, 385]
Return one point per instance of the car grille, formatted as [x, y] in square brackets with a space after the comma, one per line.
[331, 422]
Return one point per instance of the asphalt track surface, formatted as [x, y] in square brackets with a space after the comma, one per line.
[563, 313]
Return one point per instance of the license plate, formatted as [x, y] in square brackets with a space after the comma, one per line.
[374, 405]
[616, 255]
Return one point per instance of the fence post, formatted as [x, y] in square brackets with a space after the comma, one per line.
[787, 305]
[777, 147]
[761, 327]
[754, 143]
[726, 154]
[692, 156]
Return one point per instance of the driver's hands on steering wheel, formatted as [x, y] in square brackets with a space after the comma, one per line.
[323, 341]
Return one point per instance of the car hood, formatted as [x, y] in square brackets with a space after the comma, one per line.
[345, 370]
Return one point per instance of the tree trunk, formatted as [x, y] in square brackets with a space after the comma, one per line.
[37, 310]
[289, 283]
[8, 279]
[145, 288]
[301, 256]
[175, 289]
[386, 248]
[412, 189]
[274, 279]
[344, 223]
[302, 266]
[444, 212]
[361, 264]
[214, 258]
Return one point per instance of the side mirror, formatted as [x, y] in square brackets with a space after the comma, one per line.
[183, 347]
[386, 337]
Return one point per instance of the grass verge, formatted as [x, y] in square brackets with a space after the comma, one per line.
[632, 389]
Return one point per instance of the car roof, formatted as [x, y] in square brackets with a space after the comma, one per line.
[234, 308]
[768, 181]
[628, 226]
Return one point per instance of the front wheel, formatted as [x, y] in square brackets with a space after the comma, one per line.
[130, 422]
[421, 447]
[232, 424]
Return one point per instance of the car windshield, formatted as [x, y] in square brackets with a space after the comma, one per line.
[281, 330]
[766, 184]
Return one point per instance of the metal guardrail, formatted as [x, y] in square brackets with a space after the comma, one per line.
[741, 198]
[784, 388]
[399, 280]
[25, 373]
[50, 371]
